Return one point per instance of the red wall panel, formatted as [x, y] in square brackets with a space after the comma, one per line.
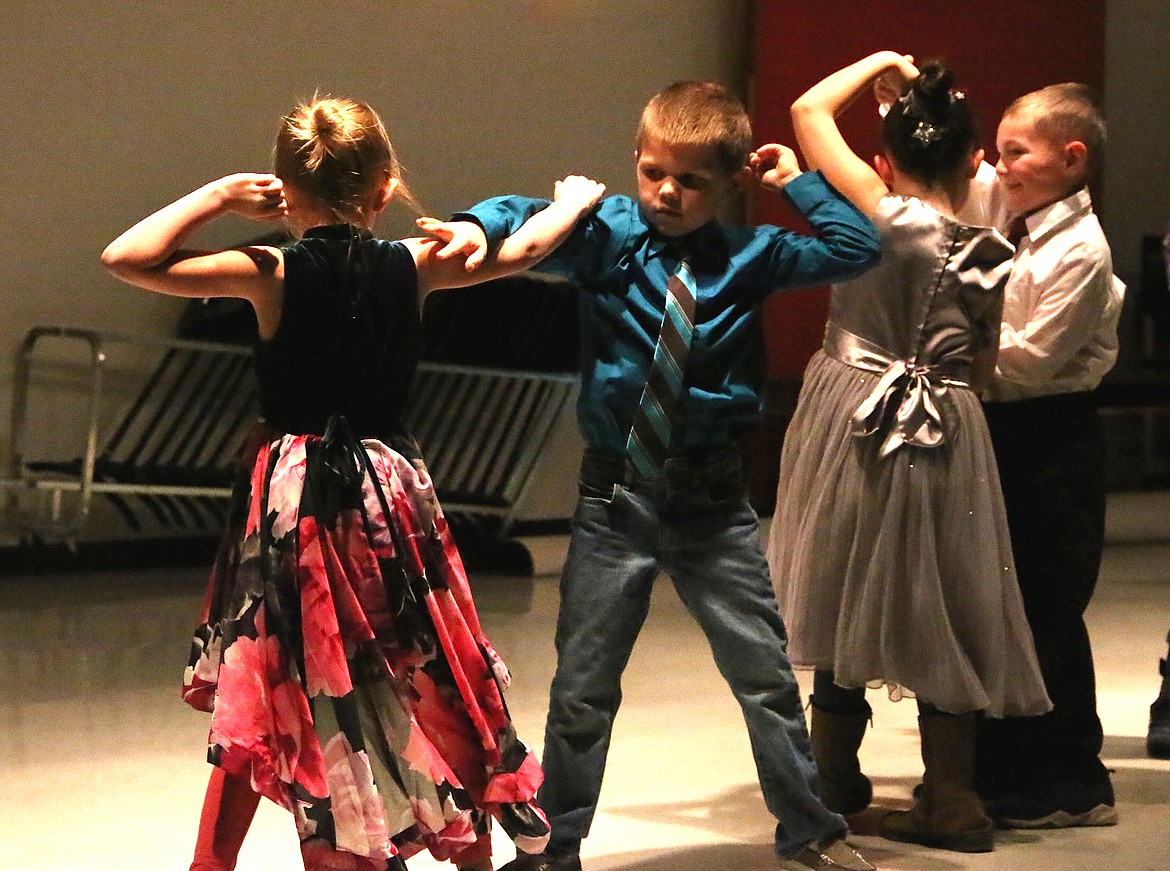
[999, 50]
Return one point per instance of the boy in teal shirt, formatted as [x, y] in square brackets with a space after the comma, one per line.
[671, 377]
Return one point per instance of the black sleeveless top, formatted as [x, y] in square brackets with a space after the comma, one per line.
[349, 338]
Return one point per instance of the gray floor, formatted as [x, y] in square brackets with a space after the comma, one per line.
[101, 764]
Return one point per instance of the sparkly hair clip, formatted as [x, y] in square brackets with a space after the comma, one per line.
[958, 95]
[926, 132]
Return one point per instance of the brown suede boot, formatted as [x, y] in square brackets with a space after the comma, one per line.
[1158, 738]
[835, 741]
[948, 814]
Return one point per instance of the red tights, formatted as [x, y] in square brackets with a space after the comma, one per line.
[228, 808]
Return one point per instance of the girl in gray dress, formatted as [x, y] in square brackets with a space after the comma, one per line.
[889, 546]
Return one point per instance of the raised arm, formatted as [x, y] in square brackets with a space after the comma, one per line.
[845, 245]
[540, 235]
[460, 257]
[150, 254]
[814, 120]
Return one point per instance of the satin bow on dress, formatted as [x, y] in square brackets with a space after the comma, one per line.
[903, 407]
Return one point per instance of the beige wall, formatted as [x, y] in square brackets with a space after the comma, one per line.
[1137, 103]
[112, 110]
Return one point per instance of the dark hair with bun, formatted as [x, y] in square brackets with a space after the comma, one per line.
[930, 132]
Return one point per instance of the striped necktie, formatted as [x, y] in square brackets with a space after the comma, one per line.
[649, 437]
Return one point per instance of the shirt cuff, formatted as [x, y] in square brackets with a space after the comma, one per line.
[808, 190]
[494, 232]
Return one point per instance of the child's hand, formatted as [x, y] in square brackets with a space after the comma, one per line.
[579, 191]
[891, 84]
[259, 196]
[774, 165]
[461, 237]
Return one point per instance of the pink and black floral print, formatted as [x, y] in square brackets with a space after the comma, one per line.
[343, 662]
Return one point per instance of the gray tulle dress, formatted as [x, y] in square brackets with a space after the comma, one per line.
[889, 546]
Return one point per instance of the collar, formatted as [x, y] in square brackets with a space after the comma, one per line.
[1049, 219]
[705, 250]
[344, 232]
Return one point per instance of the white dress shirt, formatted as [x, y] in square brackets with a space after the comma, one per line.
[984, 206]
[1061, 306]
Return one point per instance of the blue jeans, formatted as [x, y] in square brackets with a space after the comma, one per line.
[694, 523]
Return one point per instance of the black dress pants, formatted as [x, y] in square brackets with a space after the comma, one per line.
[1051, 457]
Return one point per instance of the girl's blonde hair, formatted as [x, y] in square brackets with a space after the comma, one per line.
[336, 151]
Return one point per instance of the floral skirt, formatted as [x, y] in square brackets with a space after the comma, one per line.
[343, 662]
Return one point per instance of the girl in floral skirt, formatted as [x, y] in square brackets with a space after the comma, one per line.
[340, 652]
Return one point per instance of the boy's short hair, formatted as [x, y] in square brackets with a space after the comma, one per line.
[1068, 112]
[700, 113]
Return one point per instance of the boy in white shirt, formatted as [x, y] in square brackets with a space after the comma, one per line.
[1058, 338]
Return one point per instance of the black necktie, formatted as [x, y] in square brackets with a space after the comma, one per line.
[1017, 230]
